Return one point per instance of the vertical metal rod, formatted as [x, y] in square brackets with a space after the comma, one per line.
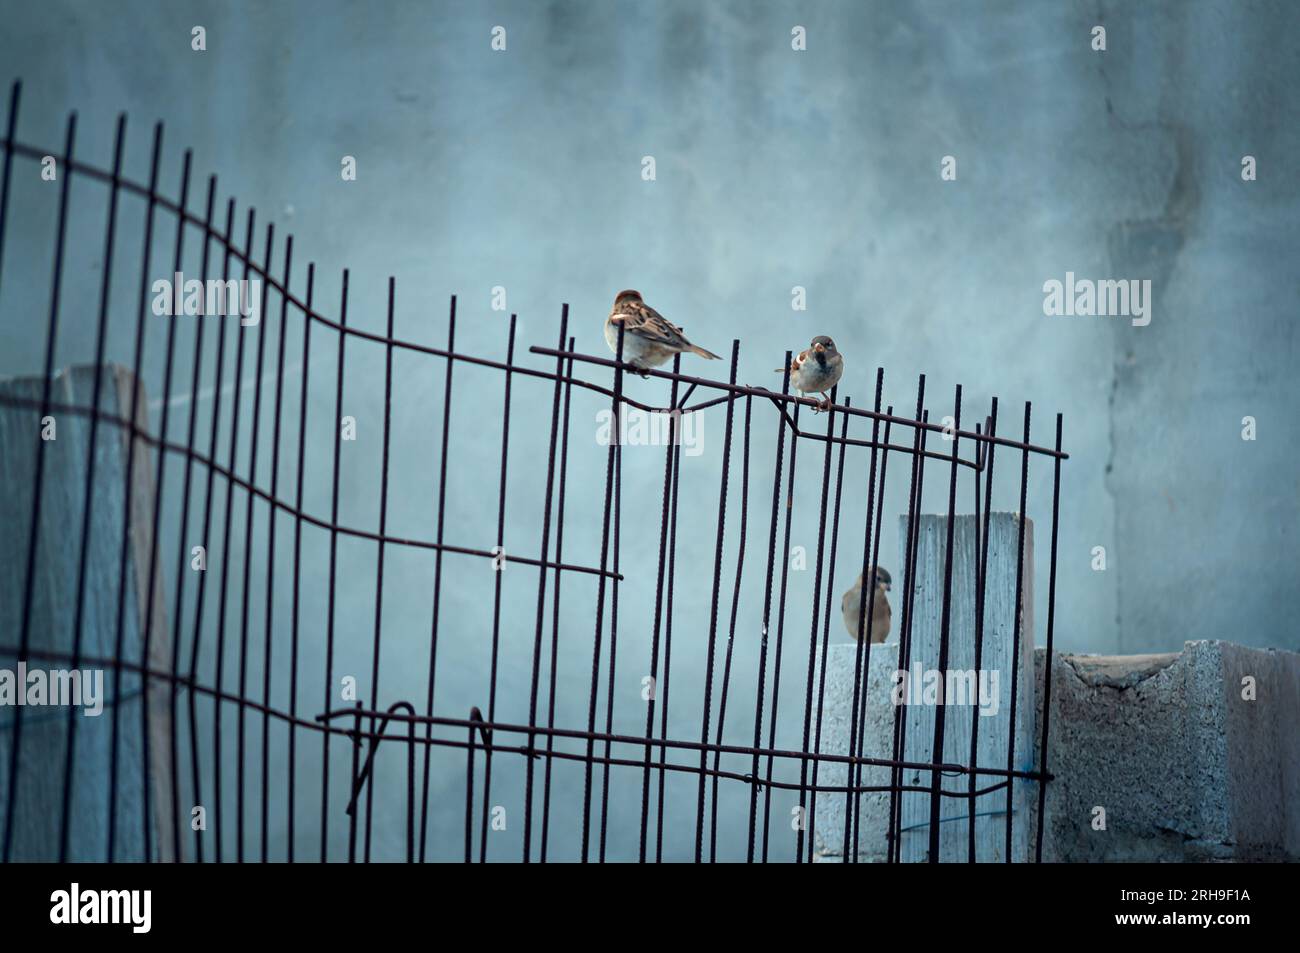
[272, 515]
[541, 587]
[731, 632]
[356, 757]
[297, 561]
[862, 636]
[203, 576]
[128, 489]
[980, 597]
[615, 435]
[1047, 660]
[555, 609]
[945, 623]
[474, 717]
[410, 791]
[88, 493]
[659, 603]
[668, 648]
[613, 647]
[183, 554]
[767, 608]
[810, 817]
[905, 643]
[334, 545]
[803, 826]
[159, 476]
[15, 94]
[496, 599]
[241, 711]
[383, 530]
[870, 622]
[905, 617]
[713, 612]
[225, 554]
[437, 583]
[1020, 622]
[780, 624]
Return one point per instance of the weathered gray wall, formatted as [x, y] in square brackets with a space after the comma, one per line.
[817, 169]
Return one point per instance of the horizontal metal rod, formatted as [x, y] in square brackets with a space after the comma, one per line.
[320, 723]
[743, 389]
[641, 741]
[185, 451]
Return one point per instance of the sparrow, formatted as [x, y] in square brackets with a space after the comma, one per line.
[817, 369]
[649, 339]
[851, 605]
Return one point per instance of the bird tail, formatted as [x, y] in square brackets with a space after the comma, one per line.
[696, 349]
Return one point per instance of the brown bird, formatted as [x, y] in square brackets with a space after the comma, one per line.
[877, 617]
[649, 338]
[817, 369]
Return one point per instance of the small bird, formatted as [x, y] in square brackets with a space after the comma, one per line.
[649, 338]
[878, 618]
[817, 369]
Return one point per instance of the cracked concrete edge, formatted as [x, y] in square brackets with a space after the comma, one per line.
[1118, 671]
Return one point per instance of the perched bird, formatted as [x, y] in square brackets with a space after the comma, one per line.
[878, 619]
[649, 338]
[817, 369]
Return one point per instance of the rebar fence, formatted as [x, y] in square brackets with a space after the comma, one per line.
[175, 522]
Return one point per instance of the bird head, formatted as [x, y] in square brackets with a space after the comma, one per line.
[882, 578]
[822, 347]
[627, 296]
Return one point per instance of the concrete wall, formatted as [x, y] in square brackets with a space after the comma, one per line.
[778, 169]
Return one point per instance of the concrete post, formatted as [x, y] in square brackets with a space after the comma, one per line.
[44, 739]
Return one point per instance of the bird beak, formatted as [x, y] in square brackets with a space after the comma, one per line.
[819, 347]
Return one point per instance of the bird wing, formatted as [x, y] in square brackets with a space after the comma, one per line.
[640, 318]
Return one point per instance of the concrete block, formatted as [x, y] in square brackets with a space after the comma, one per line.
[830, 808]
[978, 698]
[39, 792]
[1184, 766]
[997, 664]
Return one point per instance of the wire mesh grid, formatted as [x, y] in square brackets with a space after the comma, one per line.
[191, 634]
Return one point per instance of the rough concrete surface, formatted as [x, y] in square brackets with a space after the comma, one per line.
[1186, 765]
[828, 828]
[1185, 768]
